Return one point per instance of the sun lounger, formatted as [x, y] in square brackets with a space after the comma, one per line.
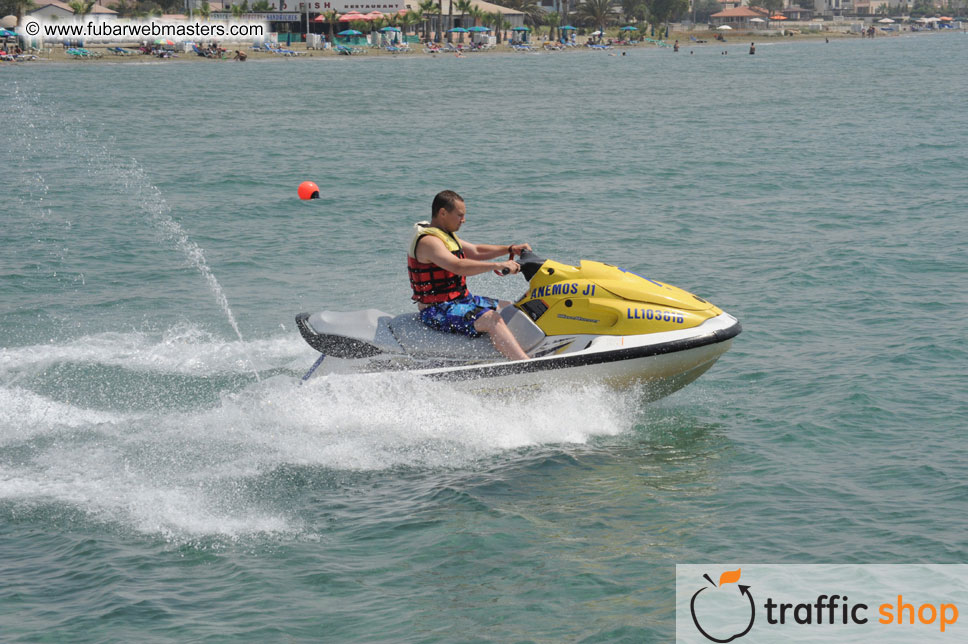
[346, 50]
[280, 50]
[80, 52]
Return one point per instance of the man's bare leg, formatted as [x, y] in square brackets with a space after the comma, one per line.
[501, 336]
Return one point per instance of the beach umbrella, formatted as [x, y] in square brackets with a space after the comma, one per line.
[457, 30]
[479, 29]
[351, 16]
[724, 28]
[568, 28]
[596, 33]
[629, 28]
[388, 29]
[757, 20]
[885, 21]
[521, 29]
[163, 41]
[350, 32]
[778, 17]
[374, 15]
[6, 33]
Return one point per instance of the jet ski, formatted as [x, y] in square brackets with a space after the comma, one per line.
[591, 322]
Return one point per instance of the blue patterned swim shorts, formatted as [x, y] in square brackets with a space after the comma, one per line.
[458, 316]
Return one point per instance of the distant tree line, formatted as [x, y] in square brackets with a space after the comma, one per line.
[601, 14]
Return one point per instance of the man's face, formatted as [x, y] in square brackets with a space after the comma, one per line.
[452, 219]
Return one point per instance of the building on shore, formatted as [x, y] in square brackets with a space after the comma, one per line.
[739, 17]
[54, 10]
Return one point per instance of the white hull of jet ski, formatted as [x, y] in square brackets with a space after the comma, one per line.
[664, 362]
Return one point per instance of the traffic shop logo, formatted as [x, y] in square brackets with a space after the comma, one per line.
[725, 598]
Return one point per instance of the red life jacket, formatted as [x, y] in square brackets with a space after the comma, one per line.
[432, 284]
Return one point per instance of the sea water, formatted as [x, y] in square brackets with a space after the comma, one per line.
[163, 476]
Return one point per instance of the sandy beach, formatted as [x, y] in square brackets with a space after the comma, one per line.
[706, 38]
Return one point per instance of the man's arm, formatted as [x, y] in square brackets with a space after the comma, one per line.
[490, 251]
[431, 250]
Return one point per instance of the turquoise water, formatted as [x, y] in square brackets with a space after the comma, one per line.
[163, 477]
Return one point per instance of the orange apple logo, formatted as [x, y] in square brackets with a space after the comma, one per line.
[734, 603]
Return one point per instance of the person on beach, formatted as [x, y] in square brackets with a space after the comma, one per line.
[439, 264]
[752, 48]
[240, 56]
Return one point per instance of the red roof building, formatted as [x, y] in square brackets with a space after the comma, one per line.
[739, 16]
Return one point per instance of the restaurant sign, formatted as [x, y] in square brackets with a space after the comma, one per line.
[256, 17]
[341, 6]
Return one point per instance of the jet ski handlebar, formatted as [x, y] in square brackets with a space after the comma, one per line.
[529, 263]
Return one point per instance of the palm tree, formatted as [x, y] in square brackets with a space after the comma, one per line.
[124, 8]
[505, 25]
[410, 20]
[427, 8]
[662, 11]
[533, 13]
[597, 12]
[359, 25]
[21, 7]
[332, 17]
[635, 10]
[204, 10]
[450, 20]
[440, 18]
[329, 16]
[262, 6]
[554, 21]
[465, 7]
[494, 21]
[81, 7]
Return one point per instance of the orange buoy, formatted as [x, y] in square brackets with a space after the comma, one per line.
[308, 190]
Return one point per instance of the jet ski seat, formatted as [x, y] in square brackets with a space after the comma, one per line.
[363, 334]
[418, 339]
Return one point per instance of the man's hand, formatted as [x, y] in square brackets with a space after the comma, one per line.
[517, 249]
[506, 268]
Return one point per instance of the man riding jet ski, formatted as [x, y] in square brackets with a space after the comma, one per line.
[579, 323]
[439, 265]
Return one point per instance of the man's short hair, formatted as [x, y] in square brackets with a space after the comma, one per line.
[446, 199]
